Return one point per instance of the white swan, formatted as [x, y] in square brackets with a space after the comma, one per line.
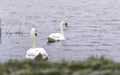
[58, 36]
[36, 53]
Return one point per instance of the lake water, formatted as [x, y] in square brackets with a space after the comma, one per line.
[94, 28]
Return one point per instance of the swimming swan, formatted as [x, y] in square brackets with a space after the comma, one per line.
[36, 53]
[58, 36]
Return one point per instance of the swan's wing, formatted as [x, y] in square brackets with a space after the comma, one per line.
[32, 53]
[55, 35]
[43, 53]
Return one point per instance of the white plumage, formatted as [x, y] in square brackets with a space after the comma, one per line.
[58, 36]
[36, 53]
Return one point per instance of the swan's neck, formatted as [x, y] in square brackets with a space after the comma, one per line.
[61, 29]
[33, 39]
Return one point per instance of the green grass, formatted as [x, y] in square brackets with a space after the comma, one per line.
[92, 66]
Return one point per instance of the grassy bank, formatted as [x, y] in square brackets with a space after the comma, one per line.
[92, 66]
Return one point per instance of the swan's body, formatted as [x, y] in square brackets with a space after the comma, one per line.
[55, 37]
[36, 53]
[58, 36]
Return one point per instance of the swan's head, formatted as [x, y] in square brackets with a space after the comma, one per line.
[64, 23]
[33, 32]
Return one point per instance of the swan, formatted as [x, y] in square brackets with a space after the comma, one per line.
[58, 36]
[36, 53]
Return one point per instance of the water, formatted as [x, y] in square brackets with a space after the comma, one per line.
[94, 28]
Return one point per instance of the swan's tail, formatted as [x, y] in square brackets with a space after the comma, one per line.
[40, 57]
[50, 40]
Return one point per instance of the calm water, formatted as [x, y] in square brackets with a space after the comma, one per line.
[94, 28]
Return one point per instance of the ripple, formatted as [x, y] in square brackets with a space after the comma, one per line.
[93, 28]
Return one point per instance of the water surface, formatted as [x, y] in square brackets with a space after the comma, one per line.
[94, 28]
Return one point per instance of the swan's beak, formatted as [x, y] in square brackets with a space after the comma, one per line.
[35, 34]
[66, 25]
